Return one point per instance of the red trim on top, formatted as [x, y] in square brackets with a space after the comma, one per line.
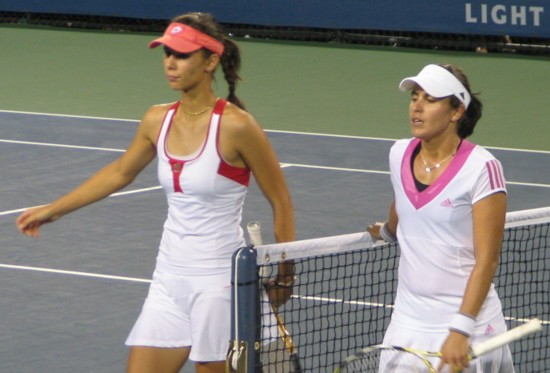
[240, 175]
[176, 164]
[173, 107]
[237, 174]
[168, 133]
[177, 167]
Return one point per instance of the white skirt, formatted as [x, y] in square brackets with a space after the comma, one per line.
[497, 361]
[186, 311]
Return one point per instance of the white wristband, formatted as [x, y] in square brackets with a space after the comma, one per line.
[463, 324]
[386, 235]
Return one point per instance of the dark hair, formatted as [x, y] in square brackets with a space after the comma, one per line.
[231, 58]
[472, 115]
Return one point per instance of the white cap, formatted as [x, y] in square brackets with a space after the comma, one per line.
[438, 82]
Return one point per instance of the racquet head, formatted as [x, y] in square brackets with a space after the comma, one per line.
[386, 359]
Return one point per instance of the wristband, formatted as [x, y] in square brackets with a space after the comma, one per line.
[386, 235]
[285, 284]
[463, 324]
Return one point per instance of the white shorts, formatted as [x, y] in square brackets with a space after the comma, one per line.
[497, 361]
[186, 311]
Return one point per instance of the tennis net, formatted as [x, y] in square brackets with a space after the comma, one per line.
[343, 296]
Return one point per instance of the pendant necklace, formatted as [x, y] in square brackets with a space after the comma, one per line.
[429, 168]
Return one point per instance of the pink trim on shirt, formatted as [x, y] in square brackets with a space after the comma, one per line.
[420, 199]
[495, 175]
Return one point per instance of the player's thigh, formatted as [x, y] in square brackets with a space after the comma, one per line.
[210, 367]
[211, 325]
[143, 359]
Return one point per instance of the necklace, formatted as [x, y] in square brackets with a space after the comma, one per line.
[429, 169]
[197, 113]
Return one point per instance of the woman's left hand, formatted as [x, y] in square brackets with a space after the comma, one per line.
[278, 294]
[455, 352]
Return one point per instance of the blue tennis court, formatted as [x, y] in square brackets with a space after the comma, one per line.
[70, 297]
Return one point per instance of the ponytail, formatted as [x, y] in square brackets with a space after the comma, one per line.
[231, 57]
[467, 123]
[231, 64]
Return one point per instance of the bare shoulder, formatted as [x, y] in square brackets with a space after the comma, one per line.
[238, 122]
[156, 113]
[152, 120]
[244, 143]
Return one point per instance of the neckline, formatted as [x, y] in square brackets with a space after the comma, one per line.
[421, 198]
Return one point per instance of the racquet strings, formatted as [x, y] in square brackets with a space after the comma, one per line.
[386, 360]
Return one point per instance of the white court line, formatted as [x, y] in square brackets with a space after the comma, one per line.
[68, 116]
[142, 280]
[74, 273]
[266, 130]
[337, 168]
[283, 165]
[537, 185]
[381, 305]
[62, 145]
[359, 170]
[118, 194]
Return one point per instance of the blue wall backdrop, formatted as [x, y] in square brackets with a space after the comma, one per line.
[530, 18]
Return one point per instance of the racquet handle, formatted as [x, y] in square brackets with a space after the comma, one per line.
[254, 229]
[502, 339]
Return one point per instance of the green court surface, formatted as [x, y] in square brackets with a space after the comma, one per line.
[305, 87]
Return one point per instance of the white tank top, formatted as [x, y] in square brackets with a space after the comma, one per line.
[205, 197]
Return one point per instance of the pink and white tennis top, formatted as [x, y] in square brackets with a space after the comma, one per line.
[205, 197]
[435, 233]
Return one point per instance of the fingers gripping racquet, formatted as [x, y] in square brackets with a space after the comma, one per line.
[382, 358]
[254, 229]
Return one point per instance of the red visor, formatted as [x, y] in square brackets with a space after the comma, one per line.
[186, 39]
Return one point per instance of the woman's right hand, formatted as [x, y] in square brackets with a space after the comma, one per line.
[30, 221]
[278, 295]
[374, 230]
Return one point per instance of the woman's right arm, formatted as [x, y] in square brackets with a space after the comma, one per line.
[106, 181]
[389, 225]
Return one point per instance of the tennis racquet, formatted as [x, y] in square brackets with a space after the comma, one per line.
[254, 229]
[383, 358]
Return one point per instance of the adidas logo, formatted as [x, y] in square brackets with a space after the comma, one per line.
[489, 330]
[176, 30]
[446, 203]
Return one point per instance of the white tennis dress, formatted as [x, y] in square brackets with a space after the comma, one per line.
[435, 234]
[189, 299]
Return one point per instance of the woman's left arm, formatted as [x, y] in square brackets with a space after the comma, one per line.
[256, 152]
[489, 216]
[258, 155]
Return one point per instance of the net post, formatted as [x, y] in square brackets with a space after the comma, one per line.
[242, 354]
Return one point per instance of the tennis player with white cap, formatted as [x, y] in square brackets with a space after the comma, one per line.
[448, 216]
